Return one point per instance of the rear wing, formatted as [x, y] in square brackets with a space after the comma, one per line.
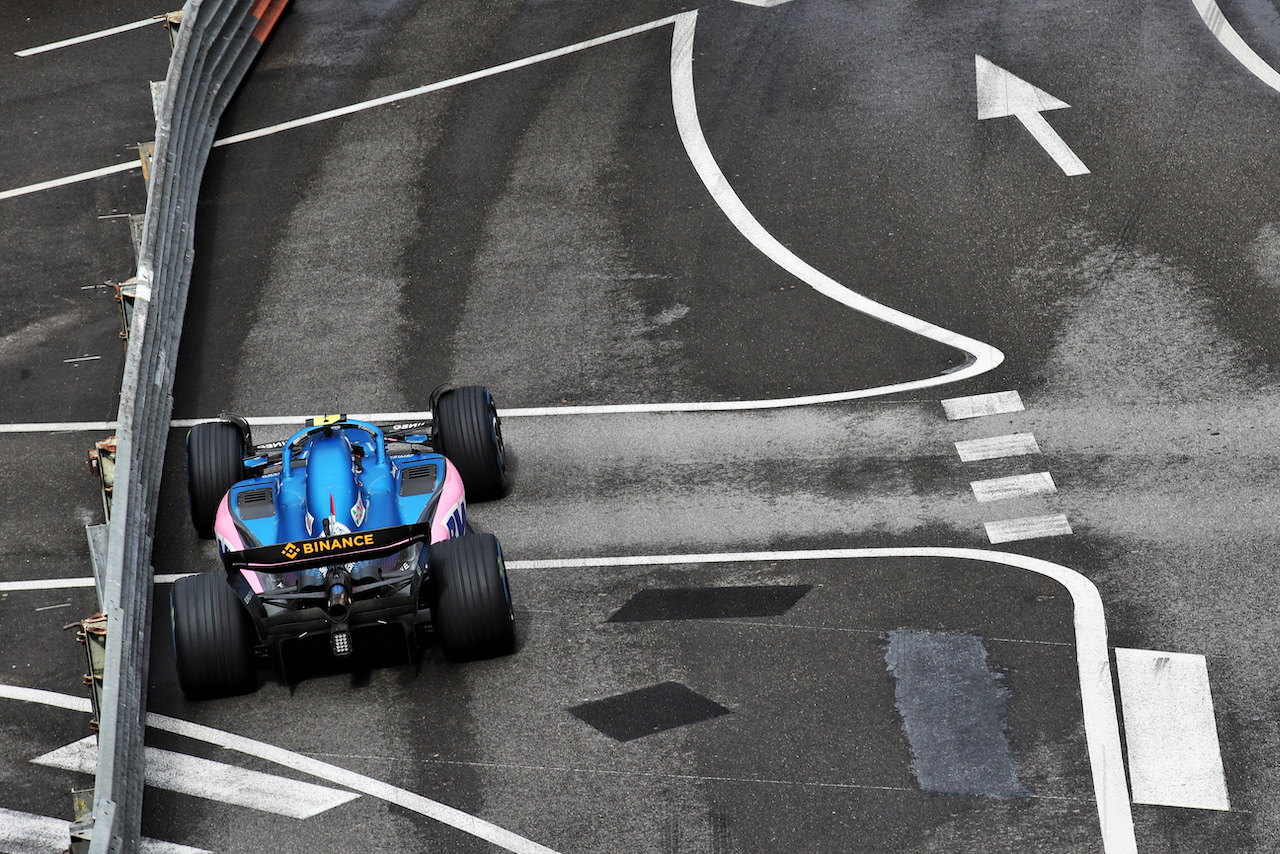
[327, 551]
[282, 452]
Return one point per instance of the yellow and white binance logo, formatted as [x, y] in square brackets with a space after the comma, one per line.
[328, 544]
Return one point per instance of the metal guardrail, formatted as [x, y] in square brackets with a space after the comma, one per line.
[216, 42]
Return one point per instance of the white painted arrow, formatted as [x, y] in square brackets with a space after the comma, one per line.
[1003, 94]
[216, 781]
[24, 833]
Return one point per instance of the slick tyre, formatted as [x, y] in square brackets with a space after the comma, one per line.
[469, 433]
[213, 638]
[215, 462]
[471, 608]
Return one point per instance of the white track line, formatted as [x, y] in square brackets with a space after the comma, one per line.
[983, 357]
[70, 179]
[100, 34]
[45, 584]
[46, 698]
[1230, 39]
[1098, 700]
[1053, 144]
[1102, 731]
[60, 427]
[455, 818]
[443, 84]
[355, 108]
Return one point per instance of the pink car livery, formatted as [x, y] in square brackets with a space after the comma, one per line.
[346, 525]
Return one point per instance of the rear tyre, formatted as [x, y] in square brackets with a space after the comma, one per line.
[213, 638]
[469, 433]
[215, 463]
[471, 611]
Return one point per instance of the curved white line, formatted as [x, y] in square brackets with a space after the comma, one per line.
[323, 770]
[356, 782]
[1230, 39]
[1098, 705]
[983, 357]
[1097, 697]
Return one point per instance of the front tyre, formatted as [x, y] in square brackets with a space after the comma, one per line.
[469, 433]
[213, 638]
[471, 607]
[215, 463]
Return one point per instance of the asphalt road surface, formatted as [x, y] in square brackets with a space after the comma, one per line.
[710, 659]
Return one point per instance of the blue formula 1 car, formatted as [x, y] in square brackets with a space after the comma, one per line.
[345, 525]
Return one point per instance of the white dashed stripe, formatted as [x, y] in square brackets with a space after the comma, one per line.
[1014, 486]
[997, 447]
[1029, 528]
[979, 405]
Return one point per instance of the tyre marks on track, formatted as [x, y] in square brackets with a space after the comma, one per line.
[980, 357]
